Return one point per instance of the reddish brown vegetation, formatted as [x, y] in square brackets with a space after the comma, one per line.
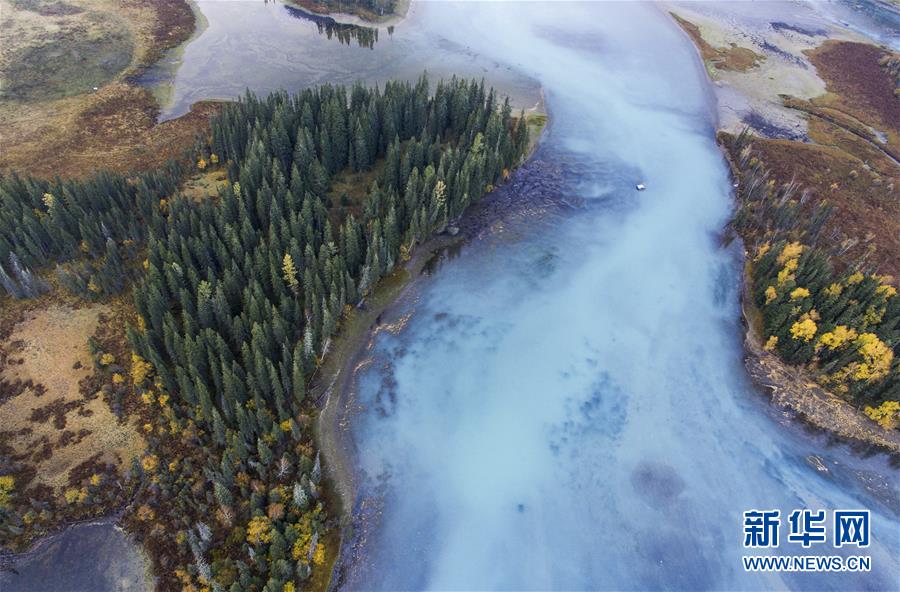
[116, 131]
[174, 24]
[846, 163]
[861, 199]
[862, 86]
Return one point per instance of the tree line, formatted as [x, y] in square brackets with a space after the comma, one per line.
[843, 326]
[88, 228]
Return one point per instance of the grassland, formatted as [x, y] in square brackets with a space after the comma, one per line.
[97, 46]
[68, 103]
[68, 431]
[53, 423]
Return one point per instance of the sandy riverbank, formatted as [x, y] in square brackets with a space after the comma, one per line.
[752, 96]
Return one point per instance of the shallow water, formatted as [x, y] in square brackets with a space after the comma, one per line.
[563, 405]
[267, 46]
[94, 557]
[876, 19]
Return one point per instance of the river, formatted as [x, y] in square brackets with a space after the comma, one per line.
[563, 405]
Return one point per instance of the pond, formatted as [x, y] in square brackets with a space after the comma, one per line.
[90, 557]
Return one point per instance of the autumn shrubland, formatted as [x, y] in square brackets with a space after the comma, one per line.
[862, 85]
[68, 440]
[851, 158]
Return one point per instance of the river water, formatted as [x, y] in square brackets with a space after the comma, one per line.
[563, 405]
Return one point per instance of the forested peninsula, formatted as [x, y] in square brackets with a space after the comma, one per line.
[815, 178]
[236, 299]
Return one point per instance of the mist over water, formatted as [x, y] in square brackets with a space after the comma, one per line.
[564, 405]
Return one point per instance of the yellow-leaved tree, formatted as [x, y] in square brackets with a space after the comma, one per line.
[887, 415]
[259, 530]
[290, 272]
[877, 358]
[7, 484]
[799, 293]
[837, 337]
[804, 330]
